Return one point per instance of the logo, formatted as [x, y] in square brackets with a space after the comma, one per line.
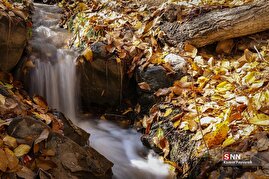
[235, 159]
[231, 156]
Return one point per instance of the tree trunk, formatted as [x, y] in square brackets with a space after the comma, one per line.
[219, 25]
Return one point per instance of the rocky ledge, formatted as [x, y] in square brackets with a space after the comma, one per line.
[36, 141]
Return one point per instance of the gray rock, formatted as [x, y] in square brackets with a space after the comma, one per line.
[13, 38]
[74, 161]
[73, 132]
[71, 159]
[156, 76]
[103, 81]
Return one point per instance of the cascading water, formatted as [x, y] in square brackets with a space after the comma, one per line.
[54, 78]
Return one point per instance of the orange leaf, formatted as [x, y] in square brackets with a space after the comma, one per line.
[144, 86]
[218, 136]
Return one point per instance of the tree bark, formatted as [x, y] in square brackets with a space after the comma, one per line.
[219, 25]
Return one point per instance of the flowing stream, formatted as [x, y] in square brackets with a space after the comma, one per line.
[54, 78]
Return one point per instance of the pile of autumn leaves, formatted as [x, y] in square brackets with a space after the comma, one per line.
[16, 156]
[221, 101]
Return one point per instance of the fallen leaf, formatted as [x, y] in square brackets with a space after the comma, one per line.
[190, 50]
[40, 101]
[218, 136]
[44, 117]
[228, 141]
[43, 136]
[13, 161]
[144, 86]
[2, 99]
[168, 112]
[21, 150]
[45, 164]
[26, 173]
[10, 141]
[3, 160]
[260, 119]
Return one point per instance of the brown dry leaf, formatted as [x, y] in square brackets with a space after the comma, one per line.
[144, 86]
[40, 101]
[3, 161]
[26, 173]
[218, 136]
[249, 56]
[10, 141]
[176, 90]
[162, 92]
[225, 46]
[164, 145]
[13, 161]
[44, 117]
[45, 164]
[190, 50]
[21, 150]
[43, 136]
[193, 126]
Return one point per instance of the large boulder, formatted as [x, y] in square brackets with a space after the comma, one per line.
[103, 81]
[67, 159]
[13, 38]
[157, 77]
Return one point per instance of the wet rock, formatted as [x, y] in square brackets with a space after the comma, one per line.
[71, 160]
[74, 161]
[73, 132]
[157, 77]
[13, 38]
[103, 80]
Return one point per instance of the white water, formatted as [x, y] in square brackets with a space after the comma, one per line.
[54, 78]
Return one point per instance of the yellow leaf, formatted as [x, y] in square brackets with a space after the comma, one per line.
[168, 112]
[44, 117]
[260, 119]
[138, 25]
[12, 159]
[10, 141]
[21, 150]
[224, 86]
[249, 78]
[228, 142]
[2, 99]
[82, 7]
[88, 54]
[176, 124]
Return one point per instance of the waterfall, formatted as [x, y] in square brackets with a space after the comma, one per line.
[54, 74]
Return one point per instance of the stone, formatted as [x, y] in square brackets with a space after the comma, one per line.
[73, 132]
[71, 159]
[156, 77]
[13, 38]
[103, 81]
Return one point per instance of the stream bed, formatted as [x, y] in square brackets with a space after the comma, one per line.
[54, 78]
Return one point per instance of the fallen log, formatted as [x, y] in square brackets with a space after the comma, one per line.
[219, 25]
